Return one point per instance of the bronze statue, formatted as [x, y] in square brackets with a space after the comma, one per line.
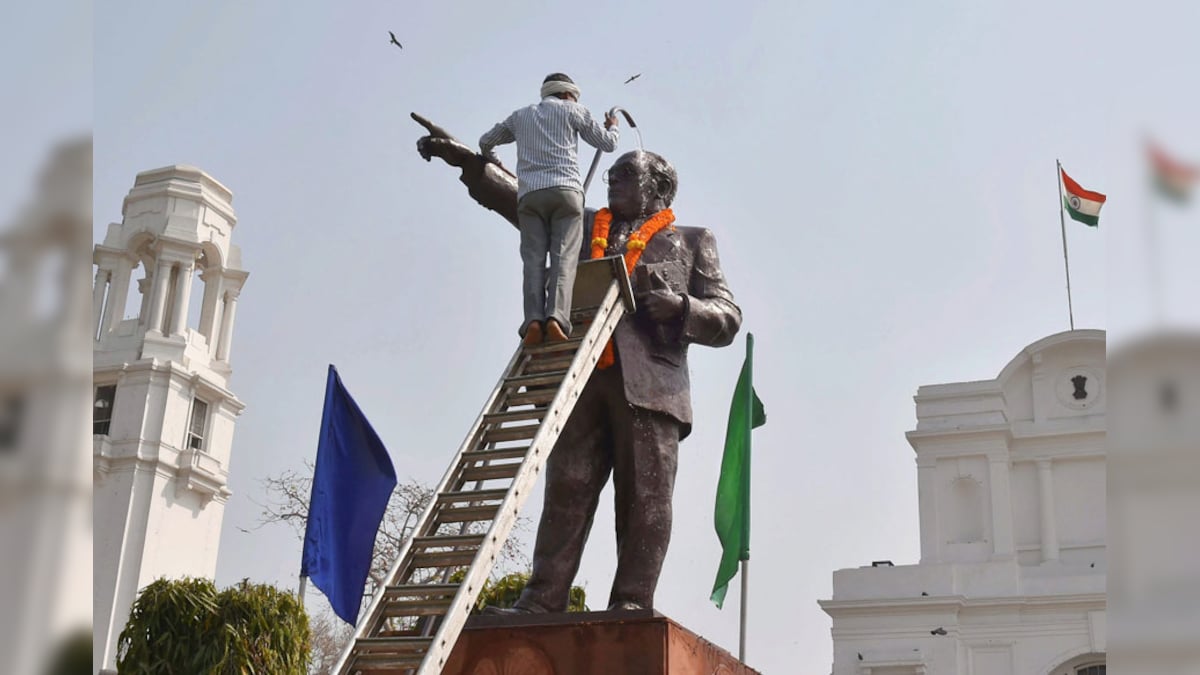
[631, 416]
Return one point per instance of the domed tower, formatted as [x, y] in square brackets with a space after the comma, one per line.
[163, 413]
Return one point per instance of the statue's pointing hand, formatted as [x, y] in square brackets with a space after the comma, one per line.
[487, 181]
[441, 144]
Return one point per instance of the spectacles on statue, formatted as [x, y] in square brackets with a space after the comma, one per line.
[624, 173]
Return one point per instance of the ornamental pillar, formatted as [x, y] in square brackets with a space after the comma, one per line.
[183, 293]
[227, 325]
[158, 300]
[1049, 528]
[98, 292]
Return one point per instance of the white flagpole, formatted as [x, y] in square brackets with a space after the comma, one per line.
[746, 490]
[742, 630]
[1062, 222]
[303, 588]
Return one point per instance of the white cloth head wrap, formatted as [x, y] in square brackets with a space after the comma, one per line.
[557, 87]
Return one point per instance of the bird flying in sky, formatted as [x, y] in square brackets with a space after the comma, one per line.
[394, 40]
[633, 78]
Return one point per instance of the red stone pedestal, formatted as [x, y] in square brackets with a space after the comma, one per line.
[641, 642]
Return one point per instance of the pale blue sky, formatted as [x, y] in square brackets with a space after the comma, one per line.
[879, 176]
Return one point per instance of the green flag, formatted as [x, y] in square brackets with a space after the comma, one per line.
[733, 488]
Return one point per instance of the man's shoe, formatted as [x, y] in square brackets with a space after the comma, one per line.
[624, 605]
[533, 334]
[554, 332]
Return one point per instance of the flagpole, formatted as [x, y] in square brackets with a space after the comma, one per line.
[1152, 255]
[742, 629]
[746, 491]
[303, 588]
[1062, 222]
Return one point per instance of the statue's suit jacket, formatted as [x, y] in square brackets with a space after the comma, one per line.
[653, 356]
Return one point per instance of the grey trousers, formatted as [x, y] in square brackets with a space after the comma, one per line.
[551, 222]
[640, 449]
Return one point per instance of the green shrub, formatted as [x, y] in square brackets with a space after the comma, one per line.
[505, 591]
[187, 627]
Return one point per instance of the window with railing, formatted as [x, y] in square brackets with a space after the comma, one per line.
[102, 409]
[1091, 670]
[196, 425]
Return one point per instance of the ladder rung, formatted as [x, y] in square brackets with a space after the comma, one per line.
[553, 377]
[402, 608]
[548, 365]
[495, 454]
[467, 514]
[459, 496]
[514, 416]
[523, 432]
[386, 664]
[376, 645]
[552, 347]
[491, 472]
[448, 540]
[443, 559]
[420, 591]
[389, 653]
[536, 397]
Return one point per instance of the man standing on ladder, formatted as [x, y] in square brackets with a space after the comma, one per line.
[549, 198]
[637, 405]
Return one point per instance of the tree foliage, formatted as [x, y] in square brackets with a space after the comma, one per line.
[504, 592]
[188, 627]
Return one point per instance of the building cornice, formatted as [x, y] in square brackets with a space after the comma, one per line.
[957, 603]
[207, 388]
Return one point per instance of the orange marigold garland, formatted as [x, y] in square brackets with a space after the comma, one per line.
[633, 252]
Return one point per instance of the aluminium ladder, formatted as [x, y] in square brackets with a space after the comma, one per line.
[414, 620]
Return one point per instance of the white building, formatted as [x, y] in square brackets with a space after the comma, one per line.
[1011, 483]
[45, 387]
[163, 414]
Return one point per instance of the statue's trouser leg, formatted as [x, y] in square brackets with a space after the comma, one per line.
[576, 472]
[646, 452]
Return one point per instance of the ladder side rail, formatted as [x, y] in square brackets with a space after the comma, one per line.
[605, 322]
[376, 607]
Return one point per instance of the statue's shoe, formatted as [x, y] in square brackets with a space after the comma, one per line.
[624, 605]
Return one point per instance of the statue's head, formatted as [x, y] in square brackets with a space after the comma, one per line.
[641, 184]
[558, 84]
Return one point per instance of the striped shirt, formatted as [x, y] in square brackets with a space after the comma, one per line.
[547, 136]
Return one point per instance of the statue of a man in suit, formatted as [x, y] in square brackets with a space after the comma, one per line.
[631, 416]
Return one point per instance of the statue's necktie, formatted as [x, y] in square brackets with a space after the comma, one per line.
[618, 234]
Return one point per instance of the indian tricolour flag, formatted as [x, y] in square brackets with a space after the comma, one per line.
[1082, 205]
[1173, 178]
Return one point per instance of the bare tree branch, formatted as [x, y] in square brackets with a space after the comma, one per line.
[285, 500]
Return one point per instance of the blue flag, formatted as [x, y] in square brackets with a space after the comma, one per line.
[352, 483]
